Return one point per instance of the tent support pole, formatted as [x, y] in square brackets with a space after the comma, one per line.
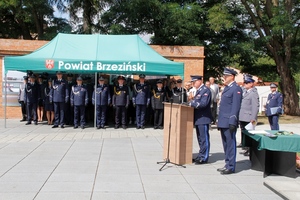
[95, 107]
[5, 99]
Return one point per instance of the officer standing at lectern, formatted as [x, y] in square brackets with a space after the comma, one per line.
[120, 102]
[159, 96]
[179, 93]
[79, 100]
[59, 96]
[141, 100]
[103, 99]
[31, 96]
[202, 117]
[228, 119]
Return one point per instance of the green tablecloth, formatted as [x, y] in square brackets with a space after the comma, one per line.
[287, 143]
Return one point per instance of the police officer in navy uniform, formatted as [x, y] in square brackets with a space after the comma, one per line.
[120, 102]
[79, 99]
[274, 101]
[141, 100]
[31, 96]
[69, 118]
[179, 93]
[228, 119]
[159, 96]
[102, 101]
[202, 117]
[59, 96]
[21, 98]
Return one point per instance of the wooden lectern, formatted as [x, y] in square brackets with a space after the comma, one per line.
[181, 134]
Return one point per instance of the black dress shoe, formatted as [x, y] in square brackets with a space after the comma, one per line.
[98, 127]
[246, 153]
[55, 126]
[103, 127]
[221, 169]
[35, 123]
[75, 127]
[200, 162]
[62, 126]
[142, 127]
[160, 127]
[82, 127]
[22, 120]
[155, 127]
[227, 171]
[116, 127]
[28, 123]
[138, 127]
[239, 146]
[124, 127]
[195, 160]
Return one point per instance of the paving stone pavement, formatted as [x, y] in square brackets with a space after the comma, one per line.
[38, 162]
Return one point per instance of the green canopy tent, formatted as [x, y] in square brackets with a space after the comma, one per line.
[109, 54]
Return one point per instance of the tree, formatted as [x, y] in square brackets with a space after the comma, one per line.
[276, 23]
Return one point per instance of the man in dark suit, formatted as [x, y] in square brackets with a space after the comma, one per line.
[274, 107]
[31, 96]
[59, 95]
[101, 99]
[202, 118]
[228, 119]
[141, 100]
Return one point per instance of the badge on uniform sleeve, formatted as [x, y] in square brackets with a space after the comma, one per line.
[239, 92]
[205, 94]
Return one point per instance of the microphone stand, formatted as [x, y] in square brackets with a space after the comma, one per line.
[167, 160]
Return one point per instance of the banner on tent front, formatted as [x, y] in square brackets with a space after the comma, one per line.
[96, 66]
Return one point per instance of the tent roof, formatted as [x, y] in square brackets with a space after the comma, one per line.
[111, 54]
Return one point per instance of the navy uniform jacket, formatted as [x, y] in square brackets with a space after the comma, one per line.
[274, 100]
[121, 96]
[32, 93]
[59, 92]
[79, 96]
[103, 95]
[230, 105]
[178, 95]
[158, 98]
[201, 103]
[141, 94]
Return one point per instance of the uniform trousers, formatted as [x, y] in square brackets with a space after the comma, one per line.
[70, 116]
[140, 115]
[23, 109]
[79, 112]
[101, 115]
[31, 112]
[203, 141]
[158, 117]
[229, 145]
[273, 121]
[59, 113]
[120, 115]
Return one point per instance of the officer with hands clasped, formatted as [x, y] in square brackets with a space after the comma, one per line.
[159, 96]
[141, 100]
[202, 117]
[79, 99]
[31, 96]
[59, 96]
[228, 119]
[120, 102]
[274, 107]
[102, 101]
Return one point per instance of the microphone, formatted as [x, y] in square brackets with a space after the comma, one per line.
[171, 100]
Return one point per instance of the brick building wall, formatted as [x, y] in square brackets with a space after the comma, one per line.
[191, 56]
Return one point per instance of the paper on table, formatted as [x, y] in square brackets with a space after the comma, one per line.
[250, 126]
[258, 132]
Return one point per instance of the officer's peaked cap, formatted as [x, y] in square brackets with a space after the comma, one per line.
[195, 78]
[228, 71]
[79, 78]
[25, 77]
[58, 72]
[248, 78]
[121, 78]
[142, 75]
[159, 81]
[179, 81]
[273, 85]
[32, 76]
[49, 79]
[69, 75]
[101, 78]
[40, 76]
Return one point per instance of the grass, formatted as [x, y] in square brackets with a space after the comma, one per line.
[284, 119]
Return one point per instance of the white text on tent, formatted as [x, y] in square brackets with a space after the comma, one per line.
[75, 66]
[121, 67]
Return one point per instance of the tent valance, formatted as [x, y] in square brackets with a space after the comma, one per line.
[111, 54]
